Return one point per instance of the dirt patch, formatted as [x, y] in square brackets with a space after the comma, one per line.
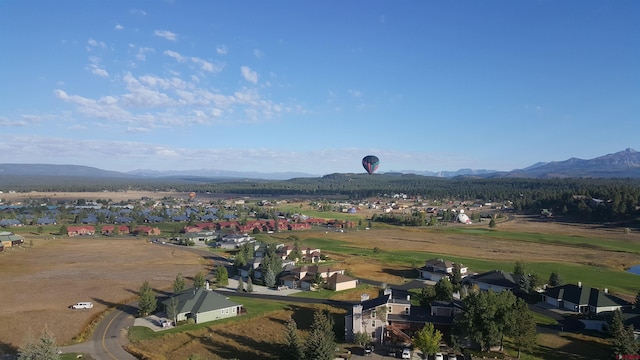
[39, 283]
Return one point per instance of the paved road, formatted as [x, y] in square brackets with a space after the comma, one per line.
[110, 336]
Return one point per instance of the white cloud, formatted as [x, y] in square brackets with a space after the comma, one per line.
[202, 64]
[174, 55]
[92, 44]
[355, 93]
[96, 70]
[118, 27]
[142, 53]
[249, 74]
[258, 53]
[222, 50]
[5, 122]
[138, 12]
[137, 130]
[166, 34]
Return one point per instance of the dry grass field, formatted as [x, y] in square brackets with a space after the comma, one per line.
[37, 284]
[462, 245]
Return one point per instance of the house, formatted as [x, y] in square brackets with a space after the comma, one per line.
[582, 299]
[202, 236]
[436, 269]
[80, 230]
[111, 230]
[338, 282]
[203, 305]
[303, 277]
[373, 316]
[496, 280]
[147, 230]
[234, 241]
[9, 239]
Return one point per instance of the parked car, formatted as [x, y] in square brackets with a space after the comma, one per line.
[82, 305]
[406, 354]
[164, 323]
[438, 356]
[452, 357]
[368, 349]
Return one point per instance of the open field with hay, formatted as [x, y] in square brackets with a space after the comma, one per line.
[39, 282]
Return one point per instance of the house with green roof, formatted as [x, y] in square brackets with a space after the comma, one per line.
[9, 239]
[203, 305]
[582, 299]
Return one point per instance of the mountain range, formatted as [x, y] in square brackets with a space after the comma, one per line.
[622, 164]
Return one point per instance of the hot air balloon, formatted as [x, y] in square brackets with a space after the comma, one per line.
[370, 163]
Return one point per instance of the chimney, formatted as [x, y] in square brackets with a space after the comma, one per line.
[579, 284]
[606, 291]
[206, 285]
[408, 297]
[364, 297]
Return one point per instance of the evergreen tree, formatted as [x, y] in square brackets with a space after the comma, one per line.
[519, 268]
[240, 287]
[623, 341]
[293, 346]
[492, 223]
[178, 284]
[222, 276]
[444, 289]
[147, 301]
[456, 278]
[249, 288]
[44, 348]
[554, 279]
[63, 230]
[321, 340]
[427, 339]
[269, 278]
[522, 328]
[199, 280]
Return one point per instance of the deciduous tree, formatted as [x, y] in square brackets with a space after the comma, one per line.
[522, 327]
[199, 280]
[222, 276]
[179, 284]
[147, 301]
[427, 339]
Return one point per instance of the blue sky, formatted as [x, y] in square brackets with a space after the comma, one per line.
[313, 86]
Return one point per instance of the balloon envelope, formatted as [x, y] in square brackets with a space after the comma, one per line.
[370, 163]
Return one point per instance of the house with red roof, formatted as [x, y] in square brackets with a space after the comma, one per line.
[111, 230]
[80, 230]
[147, 230]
